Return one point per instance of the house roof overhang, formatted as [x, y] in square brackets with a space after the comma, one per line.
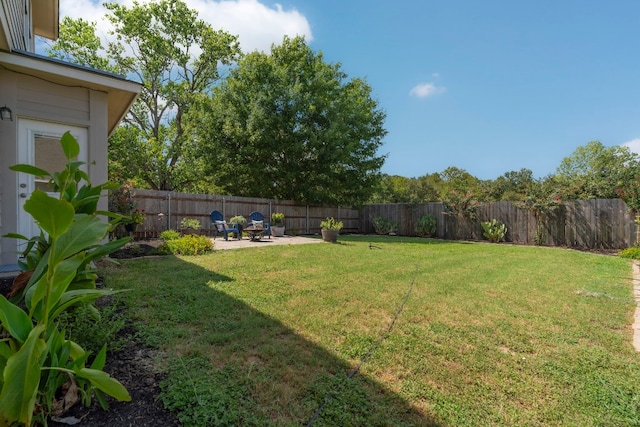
[46, 18]
[121, 93]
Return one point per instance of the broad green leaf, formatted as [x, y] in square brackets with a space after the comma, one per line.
[87, 199]
[52, 215]
[16, 236]
[104, 382]
[105, 249]
[5, 351]
[71, 298]
[22, 377]
[76, 351]
[85, 232]
[74, 166]
[101, 358]
[35, 295]
[63, 274]
[5, 354]
[102, 400]
[70, 146]
[15, 320]
[29, 169]
[82, 175]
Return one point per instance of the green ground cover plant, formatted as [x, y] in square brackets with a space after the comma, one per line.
[452, 333]
[632, 252]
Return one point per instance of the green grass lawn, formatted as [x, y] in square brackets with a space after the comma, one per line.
[489, 334]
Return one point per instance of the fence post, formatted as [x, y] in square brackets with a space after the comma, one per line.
[169, 211]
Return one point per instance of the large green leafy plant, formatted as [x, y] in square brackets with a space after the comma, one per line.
[36, 359]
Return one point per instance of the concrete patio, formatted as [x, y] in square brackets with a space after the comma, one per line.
[221, 244]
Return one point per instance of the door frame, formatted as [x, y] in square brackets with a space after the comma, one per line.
[28, 130]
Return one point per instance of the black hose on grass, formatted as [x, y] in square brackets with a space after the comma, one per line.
[368, 355]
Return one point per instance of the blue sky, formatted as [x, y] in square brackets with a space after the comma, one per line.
[488, 87]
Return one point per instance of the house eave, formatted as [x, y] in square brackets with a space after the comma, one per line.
[121, 93]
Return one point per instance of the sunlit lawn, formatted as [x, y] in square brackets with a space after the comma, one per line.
[489, 334]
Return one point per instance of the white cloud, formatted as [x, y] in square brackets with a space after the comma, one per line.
[634, 145]
[257, 26]
[424, 90]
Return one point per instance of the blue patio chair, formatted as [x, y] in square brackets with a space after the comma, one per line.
[220, 226]
[257, 216]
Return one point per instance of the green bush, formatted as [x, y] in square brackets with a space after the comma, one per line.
[169, 235]
[384, 226]
[190, 223]
[190, 245]
[426, 226]
[632, 253]
[494, 230]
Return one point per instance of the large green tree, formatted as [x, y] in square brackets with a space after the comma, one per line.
[596, 171]
[511, 186]
[399, 189]
[289, 125]
[176, 57]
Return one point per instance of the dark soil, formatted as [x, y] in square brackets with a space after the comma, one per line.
[136, 249]
[133, 367]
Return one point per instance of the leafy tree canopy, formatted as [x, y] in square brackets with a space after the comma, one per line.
[288, 125]
[596, 171]
[175, 56]
[511, 186]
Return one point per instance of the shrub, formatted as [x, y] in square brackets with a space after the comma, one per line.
[190, 245]
[426, 226]
[169, 235]
[632, 253]
[190, 223]
[384, 226]
[494, 230]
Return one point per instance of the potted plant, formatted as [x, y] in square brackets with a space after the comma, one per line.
[190, 226]
[137, 218]
[330, 229]
[238, 222]
[277, 224]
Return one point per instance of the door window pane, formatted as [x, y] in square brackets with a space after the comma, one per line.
[50, 157]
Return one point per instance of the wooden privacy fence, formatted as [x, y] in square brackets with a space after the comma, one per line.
[164, 210]
[600, 223]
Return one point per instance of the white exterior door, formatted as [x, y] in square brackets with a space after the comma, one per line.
[39, 145]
